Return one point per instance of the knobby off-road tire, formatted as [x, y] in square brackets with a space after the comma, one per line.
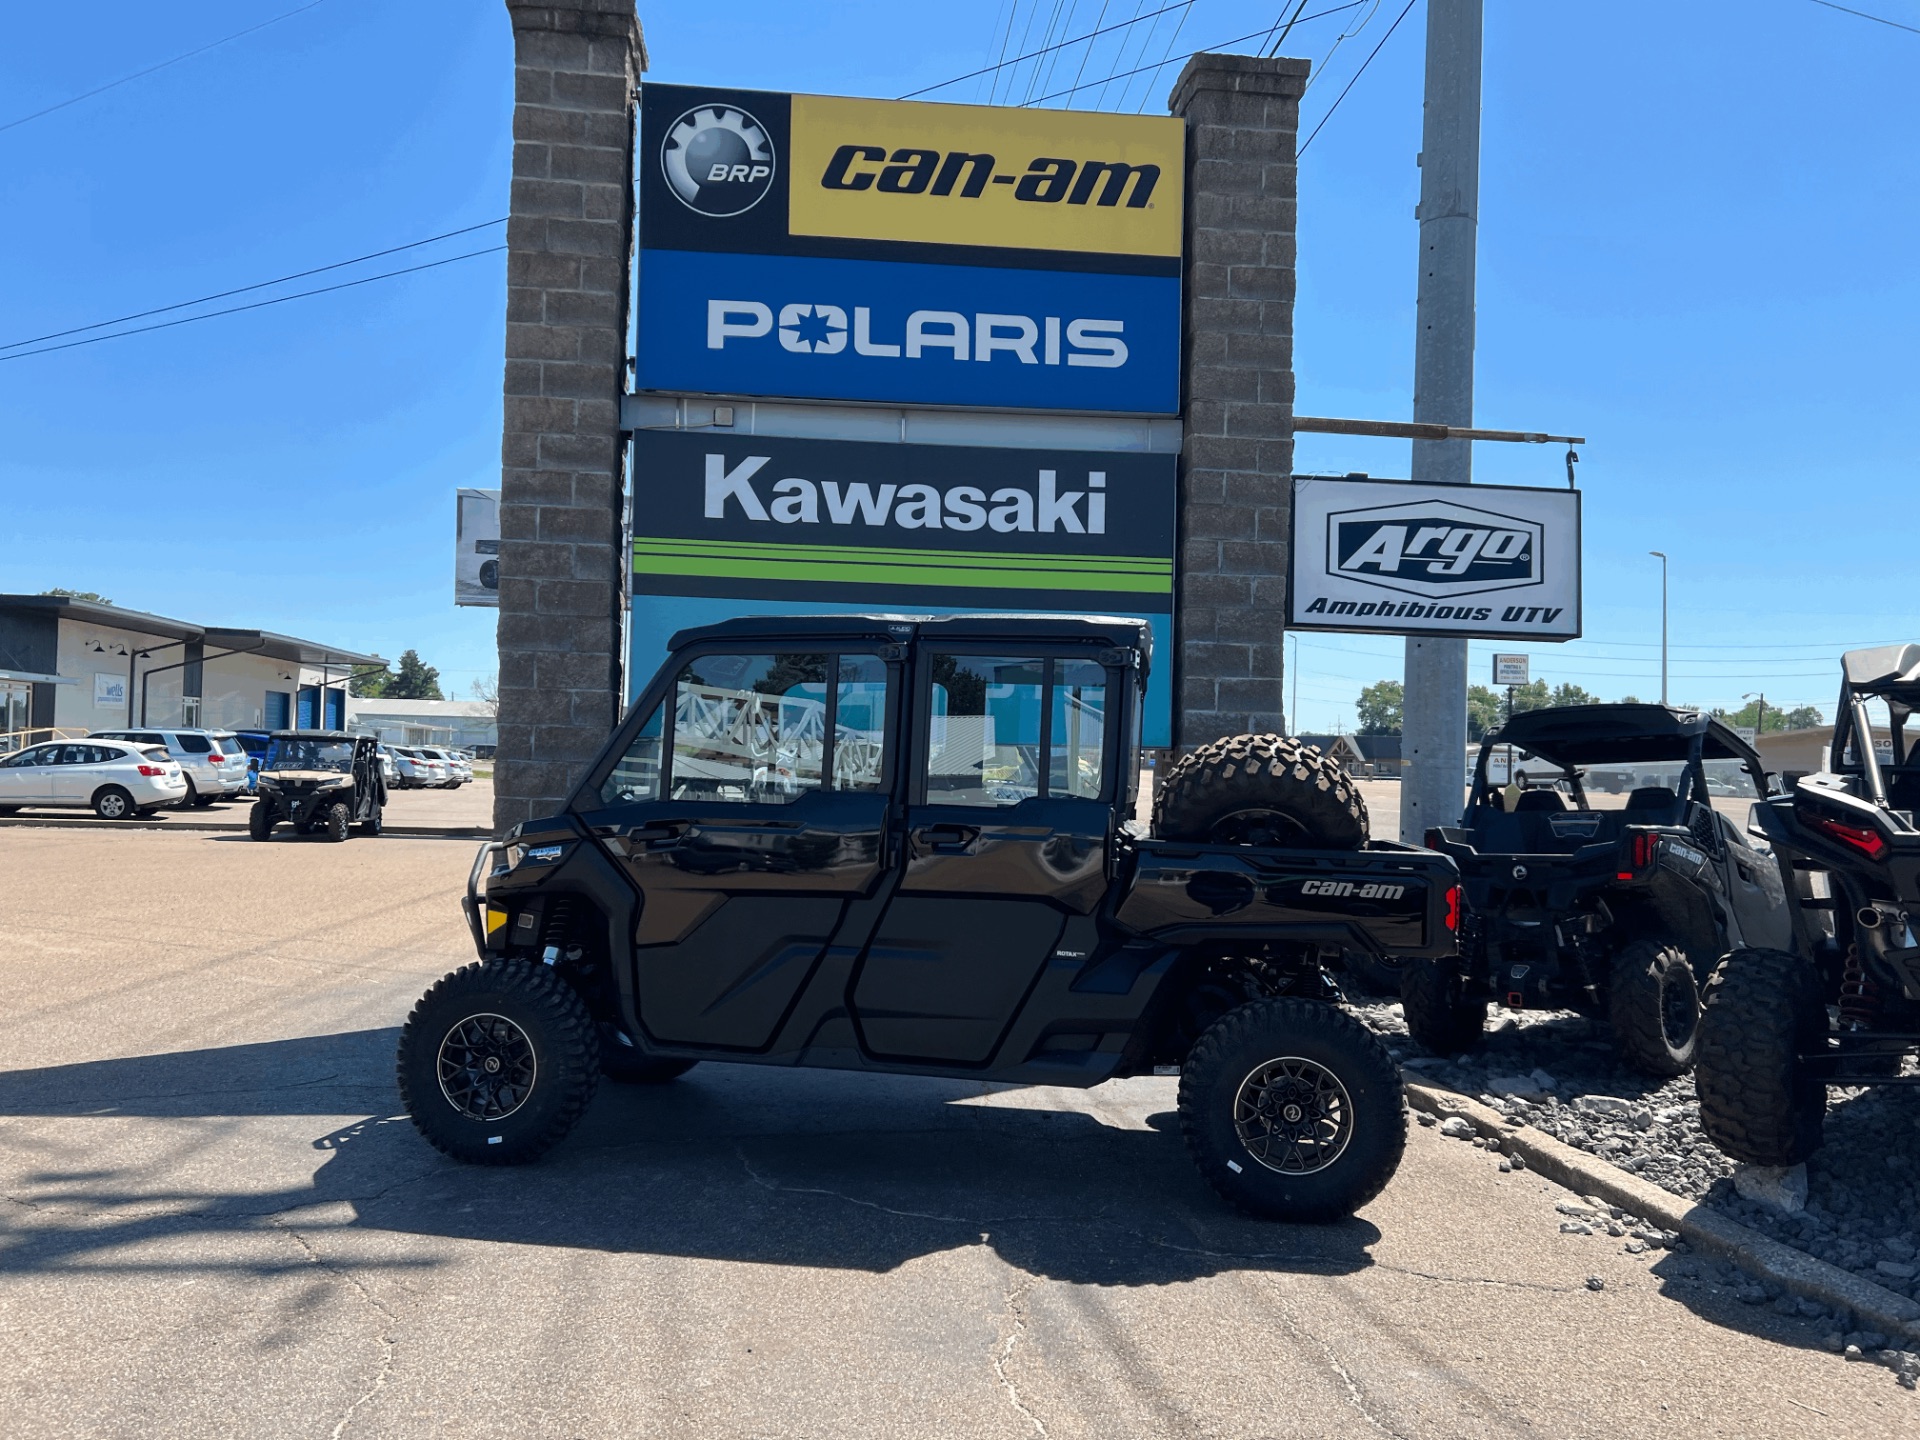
[338, 823]
[628, 1067]
[260, 820]
[373, 824]
[1439, 1015]
[1653, 1004]
[1757, 1102]
[498, 1062]
[1292, 1110]
[1264, 790]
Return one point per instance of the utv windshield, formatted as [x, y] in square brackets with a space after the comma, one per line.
[336, 755]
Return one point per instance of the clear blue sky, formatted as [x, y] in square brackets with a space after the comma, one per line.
[1696, 248]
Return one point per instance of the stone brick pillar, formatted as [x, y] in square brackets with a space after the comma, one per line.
[1243, 119]
[569, 257]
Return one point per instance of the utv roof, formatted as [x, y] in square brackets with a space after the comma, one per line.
[1891, 671]
[896, 629]
[1569, 735]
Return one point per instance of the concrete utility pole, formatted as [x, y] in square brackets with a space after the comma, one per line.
[1661, 556]
[1434, 729]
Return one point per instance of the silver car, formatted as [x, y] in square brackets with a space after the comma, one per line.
[213, 761]
[115, 779]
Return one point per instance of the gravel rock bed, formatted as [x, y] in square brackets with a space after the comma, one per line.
[1557, 1072]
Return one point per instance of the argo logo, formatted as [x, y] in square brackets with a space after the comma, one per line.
[718, 159]
[1434, 548]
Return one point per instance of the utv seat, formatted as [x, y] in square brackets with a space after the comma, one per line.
[1537, 801]
[1653, 805]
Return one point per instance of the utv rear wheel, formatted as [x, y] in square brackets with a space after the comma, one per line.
[1375, 974]
[371, 825]
[339, 822]
[1260, 790]
[498, 1062]
[628, 1067]
[1292, 1110]
[1757, 1102]
[1653, 1004]
[1440, 1016]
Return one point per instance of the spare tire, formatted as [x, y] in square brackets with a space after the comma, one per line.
[1260, 790]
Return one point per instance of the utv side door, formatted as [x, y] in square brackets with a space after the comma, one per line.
[750, 811]
[1008, 828]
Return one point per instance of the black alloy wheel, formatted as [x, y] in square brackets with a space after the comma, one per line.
[1292, 1110]
[497, 1062]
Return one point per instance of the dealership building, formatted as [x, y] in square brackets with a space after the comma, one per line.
[78, 665]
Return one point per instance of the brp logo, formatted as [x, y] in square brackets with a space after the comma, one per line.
[1434, 548]
[718, 159]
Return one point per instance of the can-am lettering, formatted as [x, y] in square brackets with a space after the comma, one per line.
[1352, 890]
[795, 500]
[1048, 180]
[818, 328]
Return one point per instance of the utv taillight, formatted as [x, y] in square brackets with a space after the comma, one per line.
[1431, 839]
[1864, 838]
[1453, 908]
[1641, 850]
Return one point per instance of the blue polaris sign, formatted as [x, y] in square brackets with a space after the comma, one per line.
[889, 332]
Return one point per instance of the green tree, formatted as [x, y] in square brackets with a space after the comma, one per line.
[1382, 706]
[95, 596]
[1802, 717]
[1571, 694]
[1531, 696]
[1486, 708]
[414, 680]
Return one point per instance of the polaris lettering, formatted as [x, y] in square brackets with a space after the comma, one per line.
[819, 328]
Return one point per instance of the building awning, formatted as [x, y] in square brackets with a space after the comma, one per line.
[290, 647]
[28, 678]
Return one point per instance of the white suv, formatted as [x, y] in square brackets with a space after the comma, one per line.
[456, 773]
[117, 780]
[213, 761]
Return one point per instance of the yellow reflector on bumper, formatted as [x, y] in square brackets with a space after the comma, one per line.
[495, 919]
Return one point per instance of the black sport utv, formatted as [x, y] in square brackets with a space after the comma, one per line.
[1839, 1002]
[904, 845]
[322, 782]
[1614, 909]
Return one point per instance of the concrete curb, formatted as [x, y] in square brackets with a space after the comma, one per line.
[1704, 1228]
[216, 827]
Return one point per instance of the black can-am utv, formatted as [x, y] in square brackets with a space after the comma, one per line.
[1615, 906]
[1838, 1003]
[322, 782]
[906, 845]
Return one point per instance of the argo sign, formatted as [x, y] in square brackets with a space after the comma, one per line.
[1392, 557]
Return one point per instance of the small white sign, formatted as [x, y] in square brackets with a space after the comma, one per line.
[476, 552]
[1510, 670]
[109, 691]
[1750, 734]
[1498, 562]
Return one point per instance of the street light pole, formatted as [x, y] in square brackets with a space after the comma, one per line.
[1760, 719]
[1662, 556]
[1293, 715]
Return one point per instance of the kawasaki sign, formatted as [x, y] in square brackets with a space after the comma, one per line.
[1398, 558]
[758, 517]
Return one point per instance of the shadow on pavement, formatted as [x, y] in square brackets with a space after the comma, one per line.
[742, 1163]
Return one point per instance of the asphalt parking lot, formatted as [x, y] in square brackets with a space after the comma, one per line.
[215, 1224]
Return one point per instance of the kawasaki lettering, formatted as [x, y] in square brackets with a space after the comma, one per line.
[1045, 509]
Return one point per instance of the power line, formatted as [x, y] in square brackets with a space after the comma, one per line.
[242, 290]
[1188, 55]
[1357, 74]
[1172, 40]
[256, 305]
[151, 69]
[1271, 46]
[1877, 19]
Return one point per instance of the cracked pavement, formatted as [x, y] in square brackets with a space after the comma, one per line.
[218, 1226]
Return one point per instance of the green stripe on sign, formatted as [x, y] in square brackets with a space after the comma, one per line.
[859, 564]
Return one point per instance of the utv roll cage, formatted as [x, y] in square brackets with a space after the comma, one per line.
[1890, 674]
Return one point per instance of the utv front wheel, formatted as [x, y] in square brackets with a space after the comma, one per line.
[498, 1062]
[1653, 1004]
[1764, 1012]
[1292, 1110]
[1440, 1016]
[260, 820]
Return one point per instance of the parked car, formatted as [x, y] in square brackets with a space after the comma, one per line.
[1617, 910]
[418, 770]
[456, 774]
[254, 742]
[116, 778]
[927, 913]
[389, 768]
[214, 762]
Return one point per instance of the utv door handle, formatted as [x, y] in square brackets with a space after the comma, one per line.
[948, 839]
[660, 835]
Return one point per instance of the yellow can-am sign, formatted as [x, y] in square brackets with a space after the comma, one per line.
[973, 175]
